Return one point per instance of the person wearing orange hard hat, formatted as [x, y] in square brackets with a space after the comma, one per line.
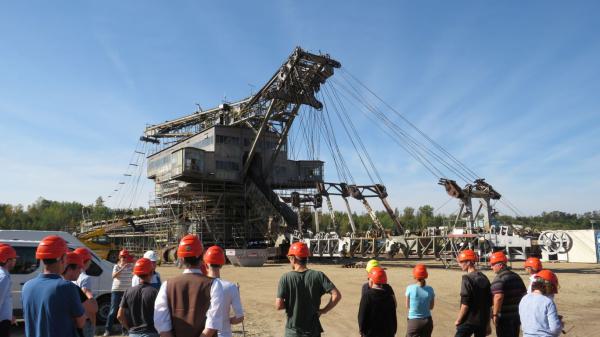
[537, 310]
[121, 281]
[191, 304]
[532, 265]
[72, 272]
[214, 259]
[86, 284]
[52, 305]
[508, 289]
[8, 259]
[475, 298]
[420, 299]
[136, 310]
[377, 308]
[156, 281]
[300, 291]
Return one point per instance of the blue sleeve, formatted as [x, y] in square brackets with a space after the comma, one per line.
[5, 297]
[553, 320]
[71, 297]
[432, 292]
[407, 293]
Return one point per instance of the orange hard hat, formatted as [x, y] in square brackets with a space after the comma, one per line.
[548, 276]
[299, 249]
[7, 252]
[467, 255]
[51, 247]
[124, 253]
[214, 255]
[420, 272]
[377, 275]
[85, 253]
[190, 246]
[143, 267]
[498, 257]
[533, 263]
[74, 258]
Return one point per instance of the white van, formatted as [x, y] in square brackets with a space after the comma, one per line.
[25, 242]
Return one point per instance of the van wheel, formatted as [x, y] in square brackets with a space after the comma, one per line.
[103, 309]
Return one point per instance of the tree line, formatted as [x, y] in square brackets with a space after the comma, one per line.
[46, 214]
[59, 215]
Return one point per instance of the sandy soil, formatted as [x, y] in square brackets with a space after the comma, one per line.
[578, 299]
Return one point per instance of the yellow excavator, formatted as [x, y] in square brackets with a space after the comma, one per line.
[95, 238]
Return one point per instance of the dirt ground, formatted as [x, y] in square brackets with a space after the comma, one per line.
[578, 299]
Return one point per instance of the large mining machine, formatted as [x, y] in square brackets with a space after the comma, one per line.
[231, 175]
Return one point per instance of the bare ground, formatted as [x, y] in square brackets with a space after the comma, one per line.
[577, 300]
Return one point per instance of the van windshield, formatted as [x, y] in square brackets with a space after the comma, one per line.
[26, 262]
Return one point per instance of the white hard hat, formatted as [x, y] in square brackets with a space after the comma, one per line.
[151, 255]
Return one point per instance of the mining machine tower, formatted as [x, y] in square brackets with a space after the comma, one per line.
[221, 173]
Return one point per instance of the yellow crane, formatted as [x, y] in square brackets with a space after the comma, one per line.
[95, 238]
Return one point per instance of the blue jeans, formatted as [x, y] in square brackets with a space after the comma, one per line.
[115, 301]
[88, 329]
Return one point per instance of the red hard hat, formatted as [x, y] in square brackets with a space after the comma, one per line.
[377, 275]
[142, 267]
[534, 263]
[51, 247]
[74, 258]
[467, 255]
[548, 276]
[7, 252]
[498, 257]
[214, 255]
[190, 246]
[420, 272]
[124, 253]
[299, 249]
[85, 253]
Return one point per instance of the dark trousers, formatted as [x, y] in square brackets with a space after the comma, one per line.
[115, 301]
[5, 328]
[466, 330]
[419, 327]
[508, 326]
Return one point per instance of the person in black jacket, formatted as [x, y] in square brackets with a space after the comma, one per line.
[475, 299]
[377, 311]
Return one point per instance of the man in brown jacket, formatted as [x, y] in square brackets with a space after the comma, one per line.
[189, 305]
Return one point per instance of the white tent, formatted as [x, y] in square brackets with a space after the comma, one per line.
[586, 246]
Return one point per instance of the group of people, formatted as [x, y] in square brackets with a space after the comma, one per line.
[60, 302]
[504, 303]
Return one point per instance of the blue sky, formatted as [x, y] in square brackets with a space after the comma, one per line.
[511, 89]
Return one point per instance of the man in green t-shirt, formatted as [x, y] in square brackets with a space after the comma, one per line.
[299, 293]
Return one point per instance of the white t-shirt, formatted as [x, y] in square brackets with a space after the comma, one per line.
[122, 281]
[231, 300]
[85, 281]
[155, 280]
